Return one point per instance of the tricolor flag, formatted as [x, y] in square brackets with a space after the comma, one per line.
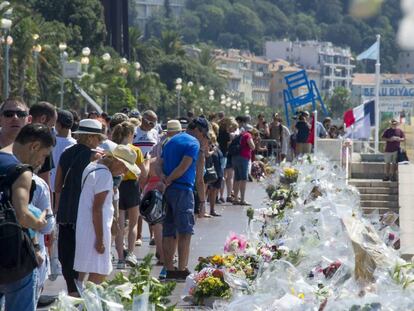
[358, 121]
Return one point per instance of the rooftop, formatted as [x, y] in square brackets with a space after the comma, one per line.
[369, 78]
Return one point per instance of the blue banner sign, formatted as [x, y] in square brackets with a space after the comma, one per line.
[401, 91]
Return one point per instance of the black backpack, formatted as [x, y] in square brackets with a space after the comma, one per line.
[235, 146]
[17, 253]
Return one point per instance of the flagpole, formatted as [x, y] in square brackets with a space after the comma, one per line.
[377, 90]
[315, 131]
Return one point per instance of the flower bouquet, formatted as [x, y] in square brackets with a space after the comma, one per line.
[289, 175]
[209, 286]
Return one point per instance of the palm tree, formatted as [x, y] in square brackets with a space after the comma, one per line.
[171, 43]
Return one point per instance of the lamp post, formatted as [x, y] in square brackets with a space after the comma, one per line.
[37, 48]
[137, 66]
[178, 88]
[85, 57]
[7, 40]
[63, 55]
[106, 58]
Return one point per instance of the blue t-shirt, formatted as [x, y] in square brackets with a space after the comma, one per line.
[173, 152]
[7, 161]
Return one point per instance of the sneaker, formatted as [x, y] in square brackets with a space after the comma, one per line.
[386, 178]
[221, 200]
[120, 265]
[138, 242]
[45, 301]
[131, 260]
[177, 275]
[163, 274]
[152, 242]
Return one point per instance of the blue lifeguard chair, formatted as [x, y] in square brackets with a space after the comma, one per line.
[301, 91]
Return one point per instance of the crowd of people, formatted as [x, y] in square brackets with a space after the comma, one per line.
[76, 187]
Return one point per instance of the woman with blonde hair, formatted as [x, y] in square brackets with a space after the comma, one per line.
[95, 213]
[227, 131]
[129, 195]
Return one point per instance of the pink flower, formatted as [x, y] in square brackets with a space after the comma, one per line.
[235, 243]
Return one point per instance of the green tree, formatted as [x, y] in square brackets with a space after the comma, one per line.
[329, 11]
[277, 24]
[170, 42]
[190, 26]
[339, 102]
[212, 20]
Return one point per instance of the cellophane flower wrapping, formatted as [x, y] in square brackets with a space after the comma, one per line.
[315, 250]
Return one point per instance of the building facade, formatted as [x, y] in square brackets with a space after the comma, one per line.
[147, 8]
[396, 93]
[247, 75]
[333, 63]
[405, 62]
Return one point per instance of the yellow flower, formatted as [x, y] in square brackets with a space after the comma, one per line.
[217, 260]
[301, 296]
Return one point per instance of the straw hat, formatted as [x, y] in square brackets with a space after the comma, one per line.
[90, 127]
[174, 126]
[127, 156]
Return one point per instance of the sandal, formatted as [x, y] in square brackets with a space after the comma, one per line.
[244, 203]
[215, 214]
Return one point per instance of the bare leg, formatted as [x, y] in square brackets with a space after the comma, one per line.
[139, 228]
[212, 199]
[133, 214]
[119, 240]
[157, 229]
[236, 187]
[387, 169]
[229, 181]
[96, 278]
[394, 170]
[242, 190]
[184, 241]
[169, 245]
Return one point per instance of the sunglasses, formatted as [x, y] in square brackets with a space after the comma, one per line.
[151, 123]
[11, 113]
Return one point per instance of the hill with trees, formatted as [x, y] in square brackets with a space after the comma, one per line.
[246, 24]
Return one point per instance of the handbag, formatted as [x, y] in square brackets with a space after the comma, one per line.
[402, 156]
[210, 174]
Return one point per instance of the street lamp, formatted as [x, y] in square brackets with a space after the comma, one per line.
[9, 42]
[36, 50]
[63, 56]
[190, 84]
[137, 66]
[178, 87]
[5, 26]
[201, 88]
[106, 57]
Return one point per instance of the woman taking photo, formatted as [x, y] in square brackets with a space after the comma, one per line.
[129, 196]
[95, 213]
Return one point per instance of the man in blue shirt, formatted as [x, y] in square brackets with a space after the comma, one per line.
[32, 145]
[181, 164]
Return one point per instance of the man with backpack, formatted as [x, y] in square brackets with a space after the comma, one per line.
[18, 254]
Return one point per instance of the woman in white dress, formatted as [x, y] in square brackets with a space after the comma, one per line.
[95, 213]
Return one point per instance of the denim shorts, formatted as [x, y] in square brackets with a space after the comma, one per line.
[180, 212]
[241, 168]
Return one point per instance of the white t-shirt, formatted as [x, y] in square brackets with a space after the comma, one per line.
[146, 140]
[96, 178]
[61, 144]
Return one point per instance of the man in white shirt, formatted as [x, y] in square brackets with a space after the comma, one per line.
[146, 136]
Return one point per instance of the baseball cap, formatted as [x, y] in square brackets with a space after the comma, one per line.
[65, 118]
[202, 125]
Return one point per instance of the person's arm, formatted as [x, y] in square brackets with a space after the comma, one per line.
[266, 130]
[250, 143]
[97, 220]
[158, 167]
[179, 170]
[143, 177]
[200, 186]
[20, 200]
[58, 187]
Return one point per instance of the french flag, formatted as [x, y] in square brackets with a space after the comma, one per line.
[359, 120]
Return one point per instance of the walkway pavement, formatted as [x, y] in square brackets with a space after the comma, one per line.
[209, 238]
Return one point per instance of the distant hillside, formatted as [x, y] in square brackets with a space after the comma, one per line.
[246, 24]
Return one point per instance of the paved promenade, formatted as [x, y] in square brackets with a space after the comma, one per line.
[209, 237]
